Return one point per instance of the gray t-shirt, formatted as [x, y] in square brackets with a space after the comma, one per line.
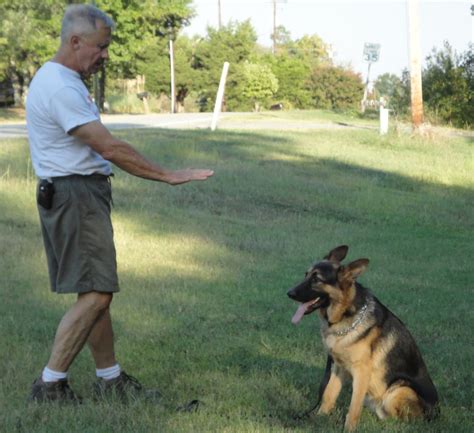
[57, 102]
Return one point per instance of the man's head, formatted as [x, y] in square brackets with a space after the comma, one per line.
[85, 36]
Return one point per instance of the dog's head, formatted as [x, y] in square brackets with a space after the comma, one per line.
[325, 282]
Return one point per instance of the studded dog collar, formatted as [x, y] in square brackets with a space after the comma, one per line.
[359, 318]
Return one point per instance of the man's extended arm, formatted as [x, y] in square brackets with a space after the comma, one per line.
[123, 155]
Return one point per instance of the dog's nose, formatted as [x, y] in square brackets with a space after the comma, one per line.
[291, 294]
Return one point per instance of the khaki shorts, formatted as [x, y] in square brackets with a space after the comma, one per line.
[78, 236]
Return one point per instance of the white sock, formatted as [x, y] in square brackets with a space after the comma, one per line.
[108, 373]
[53, 376]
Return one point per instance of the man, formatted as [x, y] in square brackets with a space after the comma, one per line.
[72, 152]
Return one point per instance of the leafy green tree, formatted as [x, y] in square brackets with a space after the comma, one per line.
[142, 25]
[312, 50]
[395, 90]
[292, 65]
[260, 83]
[30, 31]
[29, 35]
[448, 86]
[283, 41]
[293, 78]
[234, 43]
[156, 68]
[467, 65]
[336, 88]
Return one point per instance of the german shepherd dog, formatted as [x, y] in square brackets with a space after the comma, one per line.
[365, 342]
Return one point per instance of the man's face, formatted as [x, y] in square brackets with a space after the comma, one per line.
[93, 51]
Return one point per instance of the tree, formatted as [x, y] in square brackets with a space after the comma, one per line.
[141, 27]
[30, 31]
[448, 85]
[260, 83]
[467, 65]
[395, 90]
[293, 78]
[335, 88]
[156, 67]
[293, 63]
[234, 43]
[283, 40]
[29, 35]
[312, 50]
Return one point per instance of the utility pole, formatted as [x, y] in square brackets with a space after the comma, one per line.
[219, 15]
[274, 35]
[96, 82]
[472, 23]
[274, 27]
[173, 88]
[415, 63]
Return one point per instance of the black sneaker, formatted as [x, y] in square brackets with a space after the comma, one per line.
[53, 391]
[124, 388]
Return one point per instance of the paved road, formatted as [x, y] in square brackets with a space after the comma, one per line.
[127, 121]
[241, 121]
[236, 121]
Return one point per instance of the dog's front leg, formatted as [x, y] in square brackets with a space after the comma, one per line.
[332, 390]
[360, 386]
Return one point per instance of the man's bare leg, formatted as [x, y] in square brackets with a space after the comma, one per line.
[101, 342]
[76, 327]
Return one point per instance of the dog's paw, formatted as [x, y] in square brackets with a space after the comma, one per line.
[350, 424]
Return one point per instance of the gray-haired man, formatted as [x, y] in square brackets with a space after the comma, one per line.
[72, 153]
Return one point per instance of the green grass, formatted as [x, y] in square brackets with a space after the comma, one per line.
[301, 117]
[204, 270]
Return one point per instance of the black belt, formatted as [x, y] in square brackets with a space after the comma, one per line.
[97, 176]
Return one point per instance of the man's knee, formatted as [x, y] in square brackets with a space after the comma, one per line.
[98, 301]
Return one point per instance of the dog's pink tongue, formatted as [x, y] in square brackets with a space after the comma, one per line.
[300, 312]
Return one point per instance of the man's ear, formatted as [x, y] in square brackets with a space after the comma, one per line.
[337, 254]
[353, 270]
[75, 42]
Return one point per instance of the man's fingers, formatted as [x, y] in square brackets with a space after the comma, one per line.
[188, 175]
[198, 174]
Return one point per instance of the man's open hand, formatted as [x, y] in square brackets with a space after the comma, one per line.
[178, 177]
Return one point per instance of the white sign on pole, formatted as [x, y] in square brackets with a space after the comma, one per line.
[371, 52]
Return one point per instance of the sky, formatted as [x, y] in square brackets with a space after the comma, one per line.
[346, 25]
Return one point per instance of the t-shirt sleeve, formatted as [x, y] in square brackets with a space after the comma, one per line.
[72, 109]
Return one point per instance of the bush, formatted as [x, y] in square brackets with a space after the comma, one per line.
[131, 104]
[335, 88]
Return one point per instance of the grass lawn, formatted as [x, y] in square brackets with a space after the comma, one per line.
[204, 270]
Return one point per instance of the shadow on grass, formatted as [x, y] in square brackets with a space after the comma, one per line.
[216, 323]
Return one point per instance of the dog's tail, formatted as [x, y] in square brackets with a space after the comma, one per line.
[427, 393]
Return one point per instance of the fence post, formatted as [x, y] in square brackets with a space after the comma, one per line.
[383, 120]
[220, 96]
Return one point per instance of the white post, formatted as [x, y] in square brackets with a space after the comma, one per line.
[220, 96]
[383, 116]
[383, 120]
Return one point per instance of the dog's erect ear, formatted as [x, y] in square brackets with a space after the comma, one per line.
[354, 269]
[337, 254]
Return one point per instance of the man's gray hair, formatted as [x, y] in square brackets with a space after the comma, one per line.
[81, 20]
